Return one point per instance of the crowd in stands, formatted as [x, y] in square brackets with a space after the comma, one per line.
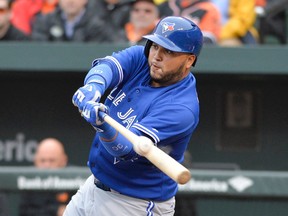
[223, 22]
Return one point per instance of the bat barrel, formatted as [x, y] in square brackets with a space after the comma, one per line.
[184, 177]
[145, 147]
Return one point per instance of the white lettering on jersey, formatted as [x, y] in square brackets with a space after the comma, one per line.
[110, 97]
[122, 117]
[129, 121]
[119, 98]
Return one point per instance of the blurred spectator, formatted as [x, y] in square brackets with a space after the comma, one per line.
[144, 16]
[50, 154]
[71, 21]
[157, 2]
[260, 3]
[115, 13]
[272, 21]
[8, 31]
[238, 19]
[25, 12]
[202, 12]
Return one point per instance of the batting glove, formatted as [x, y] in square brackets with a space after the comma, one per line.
[91, 113]
[89, 92]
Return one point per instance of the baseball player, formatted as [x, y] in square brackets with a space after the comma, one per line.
[153, 95]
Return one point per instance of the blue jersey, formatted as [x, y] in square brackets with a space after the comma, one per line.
[167, 115]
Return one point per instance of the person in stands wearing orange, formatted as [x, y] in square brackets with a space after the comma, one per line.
[202, 12]
[260, 3]
[144, 16]
[8, 32]
[25, 11]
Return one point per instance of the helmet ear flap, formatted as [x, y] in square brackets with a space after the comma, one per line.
[147, 48]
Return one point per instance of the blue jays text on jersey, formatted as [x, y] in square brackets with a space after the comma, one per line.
[167, 115]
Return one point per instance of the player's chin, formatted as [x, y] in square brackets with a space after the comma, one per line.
[155, 76]
[155, 71]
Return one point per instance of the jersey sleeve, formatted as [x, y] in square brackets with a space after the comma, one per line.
[124, 63]
[172, 122]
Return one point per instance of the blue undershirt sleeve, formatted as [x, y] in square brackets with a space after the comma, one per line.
[115, 143]
[101, 74]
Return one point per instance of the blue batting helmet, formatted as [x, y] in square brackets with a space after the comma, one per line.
[177, 34]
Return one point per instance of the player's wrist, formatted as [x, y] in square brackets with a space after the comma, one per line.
[100, 128]
[100, 75]
[115, 143]
[108, 133]
[98, 85]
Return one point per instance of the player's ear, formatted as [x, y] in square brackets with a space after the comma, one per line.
[190, 61]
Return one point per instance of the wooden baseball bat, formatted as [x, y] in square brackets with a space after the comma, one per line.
[144, 147]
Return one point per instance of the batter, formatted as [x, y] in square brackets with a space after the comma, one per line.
[153, 94]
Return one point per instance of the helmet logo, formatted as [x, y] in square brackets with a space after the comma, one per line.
[167, 26]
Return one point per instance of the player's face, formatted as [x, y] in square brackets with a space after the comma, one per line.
[168, 67]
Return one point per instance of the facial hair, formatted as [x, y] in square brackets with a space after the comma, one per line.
[170, 78]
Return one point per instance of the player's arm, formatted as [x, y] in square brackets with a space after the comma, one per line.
[105, 73]
[102, 75]
[108, 72]
[115, 143]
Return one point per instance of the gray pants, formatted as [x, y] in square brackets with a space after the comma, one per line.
[92, 201]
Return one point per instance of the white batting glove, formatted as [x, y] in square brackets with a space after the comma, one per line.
[89, 92]
[91, 113]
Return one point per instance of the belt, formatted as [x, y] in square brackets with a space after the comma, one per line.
[102, 186]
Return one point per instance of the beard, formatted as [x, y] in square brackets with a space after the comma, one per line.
[171, 77]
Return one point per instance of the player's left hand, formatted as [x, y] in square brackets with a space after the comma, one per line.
[91, 112]
[89, 92]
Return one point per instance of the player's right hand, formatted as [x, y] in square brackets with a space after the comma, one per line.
[89, 92]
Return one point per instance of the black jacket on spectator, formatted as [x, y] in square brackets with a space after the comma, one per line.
[114, 15]
[51, 27]
[13, 34]
[39, 203]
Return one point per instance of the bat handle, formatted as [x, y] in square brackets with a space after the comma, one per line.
[102, 115]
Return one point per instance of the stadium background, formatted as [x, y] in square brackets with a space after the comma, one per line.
[239, 156]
